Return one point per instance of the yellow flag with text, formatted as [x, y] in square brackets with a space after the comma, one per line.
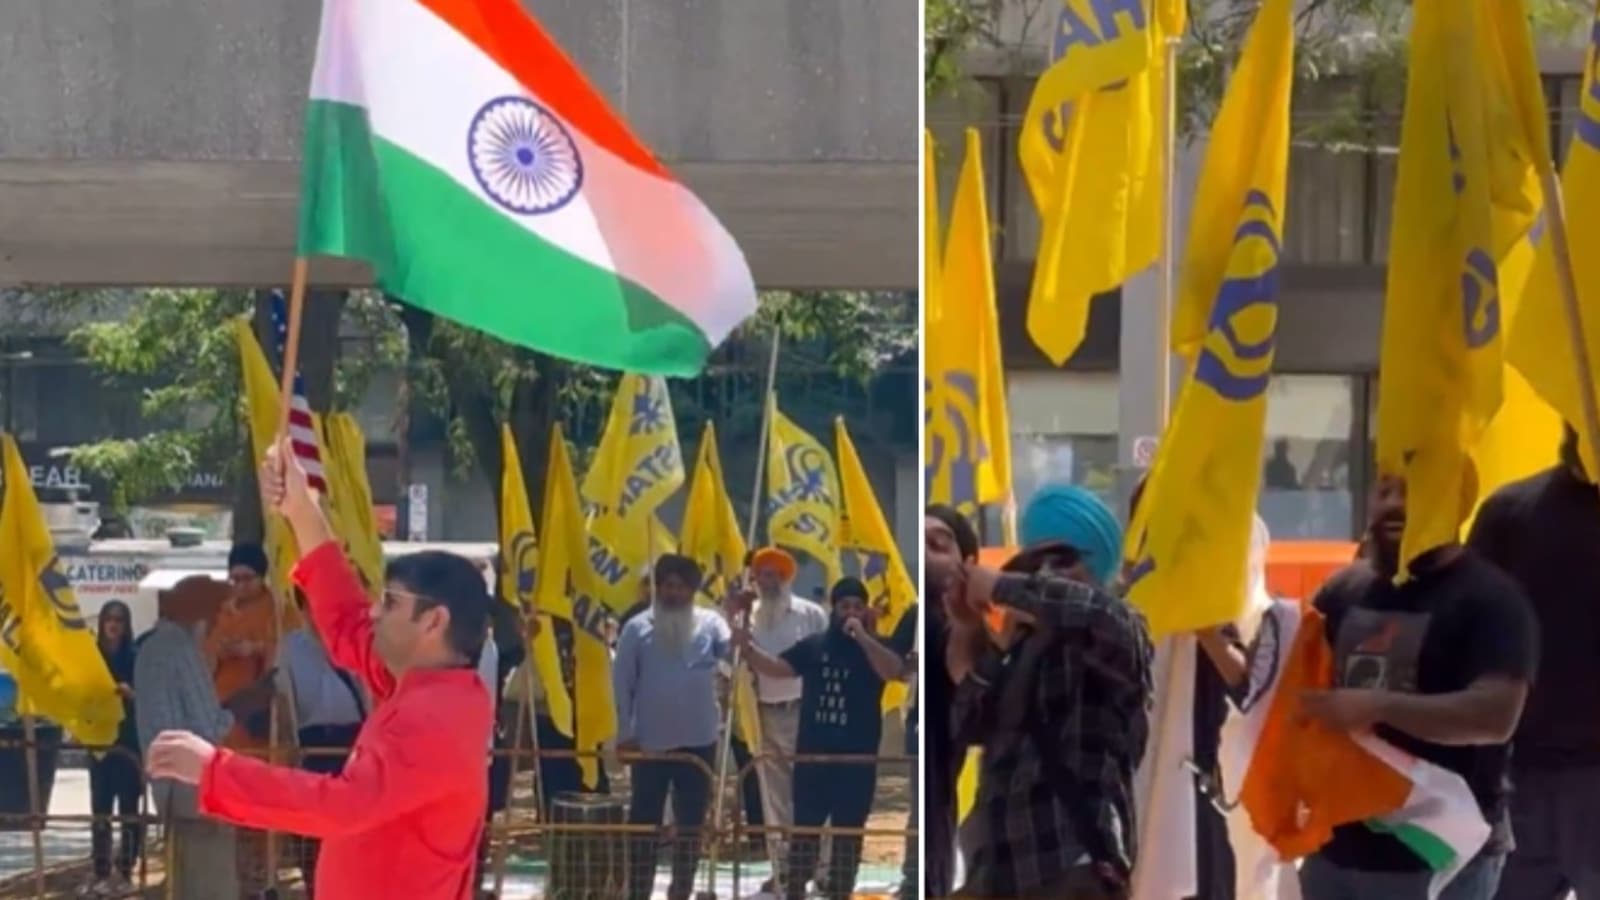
[44, 642]
[968, 431]
[565, 585]
[932, 312]
[519, 569]
[802, 492]
[1091, 153]
[1465, 195]
[262, 411]
[1190, 540]
[637, 466]
[1540, 345]
[862, 528]
[350, 495]
[711, 538]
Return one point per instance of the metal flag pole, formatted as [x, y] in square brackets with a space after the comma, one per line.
[30, 739]
[725, 745]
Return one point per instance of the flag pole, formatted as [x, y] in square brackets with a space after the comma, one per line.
[525, 720]
[725, 749]
[1555, 210]
[30, 738]
[291, 362]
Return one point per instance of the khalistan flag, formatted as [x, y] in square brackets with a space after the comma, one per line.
[454, 147]
[1298, 780]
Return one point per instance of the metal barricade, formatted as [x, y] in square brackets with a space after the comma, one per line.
[570, 847]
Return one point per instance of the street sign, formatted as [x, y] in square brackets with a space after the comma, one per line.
[417, 513]
[1144, 451]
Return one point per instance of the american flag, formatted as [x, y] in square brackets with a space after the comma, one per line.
[302, 434]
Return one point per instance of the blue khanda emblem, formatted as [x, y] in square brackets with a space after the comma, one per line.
[524, 568]
[1236, 357]
[58, 591]
[961, 450]
[807, 485]
[875, 575]
[1480, 280]
[649, 410]
[1106, 22]
[1588, 126]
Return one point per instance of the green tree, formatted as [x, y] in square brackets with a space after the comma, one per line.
[174, 350]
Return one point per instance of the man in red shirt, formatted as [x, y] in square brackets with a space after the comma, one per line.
[404, 817]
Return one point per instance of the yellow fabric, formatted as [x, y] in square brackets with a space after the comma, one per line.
[262, 411]
[1540, 344]
[44, 641]
[1190, 541]
[519, 566]
[862, 528]
[566, 585]
[637, 466]
[350, 495]
[711, 537]
[1465, 195]
[969, 434]
[1091, 153]
[802, 492]
[1524, 436]
[967, 783]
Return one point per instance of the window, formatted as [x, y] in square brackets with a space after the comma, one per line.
[1307, 491]
[1063, 428]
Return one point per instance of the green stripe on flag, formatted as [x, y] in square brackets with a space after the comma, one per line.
[441, 247]
[1435, 852]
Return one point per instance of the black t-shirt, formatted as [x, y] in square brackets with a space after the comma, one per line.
[841, 697]
[1544, 532]
[1435, 634]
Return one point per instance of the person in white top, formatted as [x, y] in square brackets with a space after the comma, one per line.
[779, 620]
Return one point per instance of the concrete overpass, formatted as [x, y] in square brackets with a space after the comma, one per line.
[156, 142]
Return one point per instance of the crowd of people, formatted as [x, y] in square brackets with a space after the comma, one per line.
[389, 710]
[1480, 660]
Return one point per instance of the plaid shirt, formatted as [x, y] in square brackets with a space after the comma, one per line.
[1063, 721]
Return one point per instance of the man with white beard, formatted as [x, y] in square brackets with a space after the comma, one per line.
[779, 621]
[666, 693]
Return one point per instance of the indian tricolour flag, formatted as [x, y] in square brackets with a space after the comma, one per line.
[452, 145]
[1297, 780]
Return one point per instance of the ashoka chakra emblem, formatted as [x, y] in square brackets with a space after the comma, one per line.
[523, 156]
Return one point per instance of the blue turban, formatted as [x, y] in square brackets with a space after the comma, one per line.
[1061, 513]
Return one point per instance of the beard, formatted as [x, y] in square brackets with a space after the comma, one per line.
[674, 628]
[774, 604]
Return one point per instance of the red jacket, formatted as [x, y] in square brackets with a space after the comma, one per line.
[405, 817]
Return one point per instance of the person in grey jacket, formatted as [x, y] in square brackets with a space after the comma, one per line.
[176, 693]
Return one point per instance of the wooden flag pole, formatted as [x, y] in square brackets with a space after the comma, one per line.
[1555, 212]
[291, 361]
[725, 748]
[527, 711]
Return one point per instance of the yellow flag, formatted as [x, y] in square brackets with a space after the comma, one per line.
[711, 538]
[969, 436]
[519, 566]
[1190, 541]
[350, 495]
[44, 642]
[566, 589]
[1465, 195]
[1090, 150]
[802, 492]
[1540, 345]
[637, 466]
[261, 408]
[862, 528]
